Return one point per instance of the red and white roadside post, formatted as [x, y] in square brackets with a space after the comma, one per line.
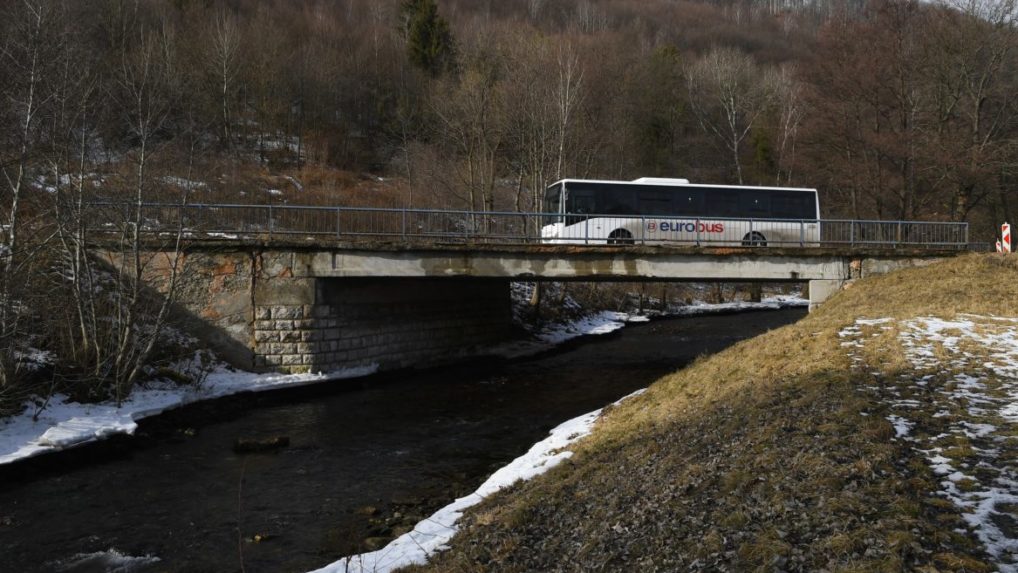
[1000, 249]
[1005, 237]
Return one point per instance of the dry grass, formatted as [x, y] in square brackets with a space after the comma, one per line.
[771, 455]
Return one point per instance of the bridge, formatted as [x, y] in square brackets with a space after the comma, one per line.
[300, 288]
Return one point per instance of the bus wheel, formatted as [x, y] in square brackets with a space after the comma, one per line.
[620, 237]
[754, 239]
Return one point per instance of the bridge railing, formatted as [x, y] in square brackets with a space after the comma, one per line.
[229, 221]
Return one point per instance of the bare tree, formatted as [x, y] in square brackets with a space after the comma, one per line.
[470, 114]
[145, 88]
[26, 55]
[224, 61]
[567, 97]
[728, 95]
[791, 112]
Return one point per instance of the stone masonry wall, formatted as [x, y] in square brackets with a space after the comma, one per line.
[391, 323]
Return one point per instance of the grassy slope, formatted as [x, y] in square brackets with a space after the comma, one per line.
[768, 456]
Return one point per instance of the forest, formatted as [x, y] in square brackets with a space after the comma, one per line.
[892, 109]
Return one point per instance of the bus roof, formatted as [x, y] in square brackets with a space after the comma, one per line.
[680, 183]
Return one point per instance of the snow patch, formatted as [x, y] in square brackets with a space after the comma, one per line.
[63, 423]
[433, 533]
[965, 370]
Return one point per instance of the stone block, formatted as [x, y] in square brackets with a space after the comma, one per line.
[283, 325]
[263, 313]
[287, 312]
[290, 336]
[303, 348]
[292, 360]
[264, 325]
[266, 336]
[284, 348]
[272, 360]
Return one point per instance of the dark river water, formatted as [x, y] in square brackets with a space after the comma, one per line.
[366, 459]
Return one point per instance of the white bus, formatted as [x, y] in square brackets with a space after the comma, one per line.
[657, 211]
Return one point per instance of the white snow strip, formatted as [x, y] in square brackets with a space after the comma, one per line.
[64, 424]
[608, 321]
[433, 533]
[110, 561]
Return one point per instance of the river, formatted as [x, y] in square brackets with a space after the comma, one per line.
[366, 459]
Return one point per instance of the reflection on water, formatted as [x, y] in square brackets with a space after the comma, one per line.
[363, 465]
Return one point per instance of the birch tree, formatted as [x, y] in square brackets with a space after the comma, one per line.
[26, 60]
[728, 95]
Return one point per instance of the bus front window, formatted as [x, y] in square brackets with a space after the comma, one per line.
[551, 198]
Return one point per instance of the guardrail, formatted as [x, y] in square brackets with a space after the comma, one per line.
[446, 226]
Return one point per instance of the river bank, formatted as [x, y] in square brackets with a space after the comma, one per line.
[363, 466]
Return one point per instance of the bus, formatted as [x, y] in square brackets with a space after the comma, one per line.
[659, 211]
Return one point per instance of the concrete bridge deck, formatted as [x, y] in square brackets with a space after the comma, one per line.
[297, 305]
[338, 259]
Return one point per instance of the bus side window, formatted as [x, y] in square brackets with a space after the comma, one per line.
[792, 205]
[618, 201]
[581, 204]
[754, 204]
[688, 202]
[722, 203]
[653, 202]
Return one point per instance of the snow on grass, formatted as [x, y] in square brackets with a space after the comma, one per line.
[63, 423]
[433, 533]
[959, 406]
[34, 359]
[183, 183]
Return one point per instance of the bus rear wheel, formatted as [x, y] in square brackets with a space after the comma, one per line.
[620, 237]
[754, 239]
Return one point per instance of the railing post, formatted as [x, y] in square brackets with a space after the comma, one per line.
[402, 224]
[339, 232]
[643, 230]
[802, 233]
[696, 225]
[851, 233]
[271, 223]
[897, 242]
[586, 231]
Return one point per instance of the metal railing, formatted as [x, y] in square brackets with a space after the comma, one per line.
[226, 221]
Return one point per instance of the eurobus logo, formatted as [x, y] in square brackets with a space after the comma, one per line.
[687, 226]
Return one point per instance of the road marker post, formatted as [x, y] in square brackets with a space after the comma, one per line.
[1005, 237]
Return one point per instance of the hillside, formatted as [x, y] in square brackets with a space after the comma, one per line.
[874, 435]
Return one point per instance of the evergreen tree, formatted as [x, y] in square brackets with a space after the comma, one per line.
[429, 42]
